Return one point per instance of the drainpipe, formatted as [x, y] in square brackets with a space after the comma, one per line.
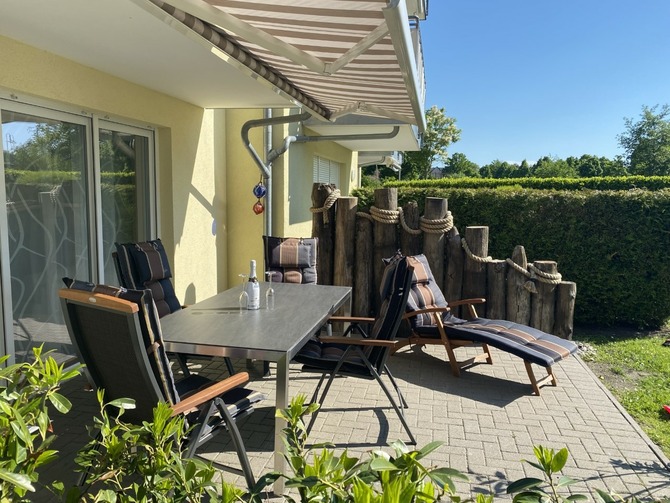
[267, 114]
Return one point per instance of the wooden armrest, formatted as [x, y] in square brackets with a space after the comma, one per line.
[427, 310]
[351, 341]
[352, 319]
[466, 302]
[209, 393]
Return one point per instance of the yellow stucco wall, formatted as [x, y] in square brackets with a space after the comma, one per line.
[205, 174]
[186, 158]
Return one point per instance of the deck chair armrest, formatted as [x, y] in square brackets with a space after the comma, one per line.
[470, 304]
[209, 393]
[350, 341]
[352, 319]
[427, 310]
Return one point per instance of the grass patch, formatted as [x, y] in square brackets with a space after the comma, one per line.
[635, 367]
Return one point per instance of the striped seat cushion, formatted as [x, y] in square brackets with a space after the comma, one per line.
[523, 341]
[291, 260]
[425, 293]
[145, 265]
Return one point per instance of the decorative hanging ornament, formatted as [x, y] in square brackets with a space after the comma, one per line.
[258, 207]
[260, 190]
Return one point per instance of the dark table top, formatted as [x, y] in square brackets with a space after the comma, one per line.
[217, 327]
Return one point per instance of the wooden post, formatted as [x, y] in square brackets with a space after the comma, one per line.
[566, 293]
[345, 239]
[474, 274]
[385, 243]
[453, 279]
[518, 292]
[543, 304]
[434, 244]
[496, 272]
[410, 244]
[363, 272]
[323, 227]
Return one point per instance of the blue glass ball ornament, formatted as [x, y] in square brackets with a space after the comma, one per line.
[260, 190]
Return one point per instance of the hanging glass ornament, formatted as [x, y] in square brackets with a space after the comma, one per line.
[258, 207]
[260, 190]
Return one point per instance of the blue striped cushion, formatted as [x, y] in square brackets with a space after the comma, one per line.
[145, 265]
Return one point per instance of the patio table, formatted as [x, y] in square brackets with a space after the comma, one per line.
[217, 327]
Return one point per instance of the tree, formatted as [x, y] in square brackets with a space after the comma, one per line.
[646, 142]
[459, 165]
[548, 167]
[441, 131]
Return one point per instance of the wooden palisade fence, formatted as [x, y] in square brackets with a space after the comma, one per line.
[353, 243]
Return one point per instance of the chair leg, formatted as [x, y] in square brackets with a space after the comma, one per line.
[401, 398]
[323, 395]
[229, 366]
[397, 409]
[538, 383]
[181, 360]
[237, 441]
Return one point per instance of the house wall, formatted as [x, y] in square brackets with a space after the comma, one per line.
[187, 151]
[205, 174]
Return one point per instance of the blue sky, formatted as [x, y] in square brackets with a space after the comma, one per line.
[528, 78]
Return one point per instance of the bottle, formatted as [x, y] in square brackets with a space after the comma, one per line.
[253, 289]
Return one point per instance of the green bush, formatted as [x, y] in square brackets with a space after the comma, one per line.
[592, 183]
[613, 244]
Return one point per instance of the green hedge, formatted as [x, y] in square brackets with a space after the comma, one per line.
[594, 183]
[55, 177]
[614, 244]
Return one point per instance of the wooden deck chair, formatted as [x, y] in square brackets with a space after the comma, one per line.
[117, 336]
[364, 357]
[432, 323]
[145, 265]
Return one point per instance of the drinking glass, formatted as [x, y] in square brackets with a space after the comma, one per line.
[244, 296]
[269, 293]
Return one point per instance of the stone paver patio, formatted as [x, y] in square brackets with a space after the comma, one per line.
[487, 418]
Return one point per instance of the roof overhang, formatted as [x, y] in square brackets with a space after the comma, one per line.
[350, 63]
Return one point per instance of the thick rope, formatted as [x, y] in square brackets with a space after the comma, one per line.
[535, 273]
[438, 225]
[327, 204]
[471, 255]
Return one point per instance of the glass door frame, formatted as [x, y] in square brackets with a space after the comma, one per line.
[146, 188]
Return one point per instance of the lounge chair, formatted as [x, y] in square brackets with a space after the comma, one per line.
[364, 357]
[117, 336]
[145, 265]
[432, 323]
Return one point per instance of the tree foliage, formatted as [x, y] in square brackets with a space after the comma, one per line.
[441, 131]
[646, 142]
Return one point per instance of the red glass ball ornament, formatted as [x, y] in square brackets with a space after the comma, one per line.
[259, 208]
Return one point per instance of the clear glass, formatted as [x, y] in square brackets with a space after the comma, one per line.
[269, 293]
[124, 160]
[45, 184]
[244, 296]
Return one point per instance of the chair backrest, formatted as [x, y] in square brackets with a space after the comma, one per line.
[425, 292]
[145, 265]
[117, 336]
[396, 281]
[291, 260]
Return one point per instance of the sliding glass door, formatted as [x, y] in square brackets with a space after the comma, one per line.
[72, 187]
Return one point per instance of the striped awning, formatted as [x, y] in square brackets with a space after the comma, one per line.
[333, 58]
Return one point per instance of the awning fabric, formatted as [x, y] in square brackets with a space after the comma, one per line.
[334, 57]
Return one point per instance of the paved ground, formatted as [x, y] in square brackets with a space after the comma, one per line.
[487, 418]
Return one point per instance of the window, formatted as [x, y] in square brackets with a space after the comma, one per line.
[326, 171]
[73, 185]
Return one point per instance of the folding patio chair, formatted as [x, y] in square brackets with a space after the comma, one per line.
[145, 265]
[432, 323]
[117, 336]
[364, 357]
